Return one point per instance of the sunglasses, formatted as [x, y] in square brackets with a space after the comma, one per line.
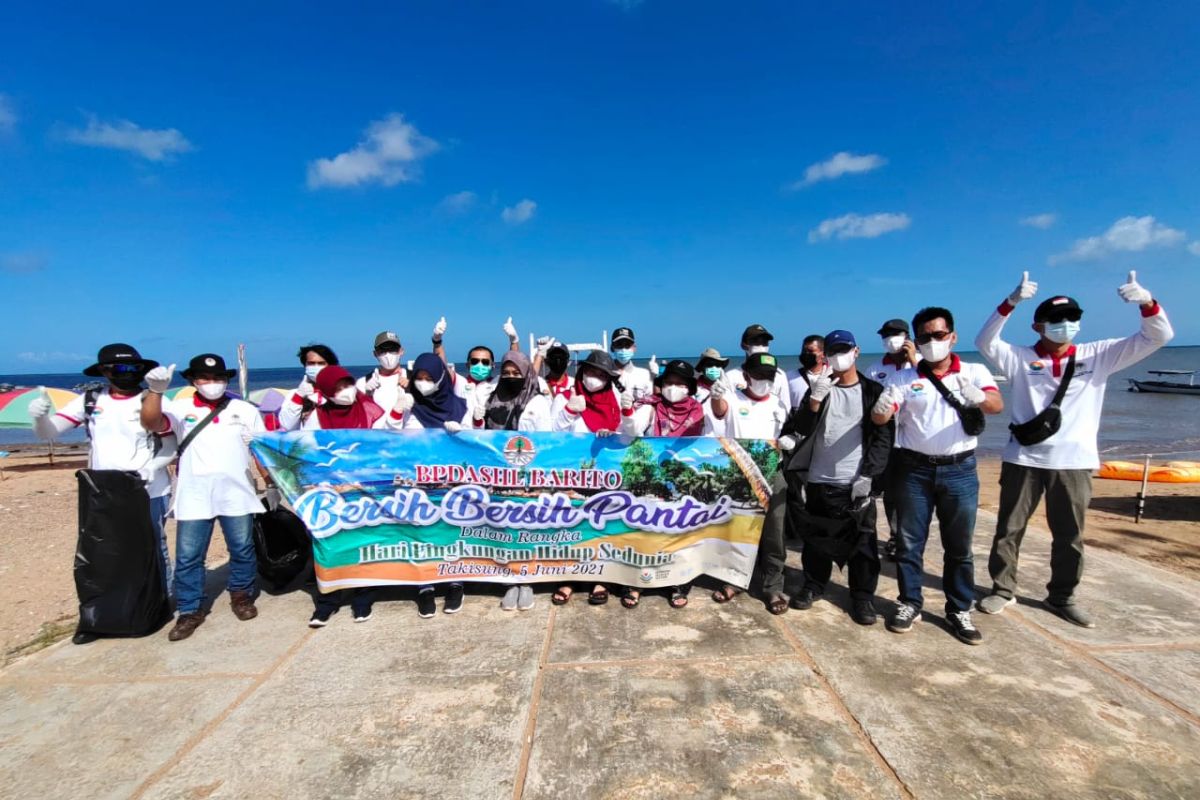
[1064, 316]
[926, 338]
[487, 362]
[121, 369]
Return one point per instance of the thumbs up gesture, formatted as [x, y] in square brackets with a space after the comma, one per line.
[159, 378]
[510, 331]
[1133, 292]
[1025, 290]
[40, 406]
[439, 330]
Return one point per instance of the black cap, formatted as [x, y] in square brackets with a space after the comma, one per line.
[118, 354]
[894, 326]
[207, 364]
[760, 365]
[602, 361]
[1055, 306]
[680, 369]
[620, 334]
[755, 331]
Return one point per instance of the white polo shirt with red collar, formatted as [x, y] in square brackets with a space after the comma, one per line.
[885, 368]
[1034, 376]
[214, 470]
[926, 422]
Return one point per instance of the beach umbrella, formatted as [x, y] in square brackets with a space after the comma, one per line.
[182, 393]
[14, 405]
[269, 400]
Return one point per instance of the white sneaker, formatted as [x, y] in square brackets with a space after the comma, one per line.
[509, 603]
[525, 598]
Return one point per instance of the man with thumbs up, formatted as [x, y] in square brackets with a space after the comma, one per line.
[1052, 450]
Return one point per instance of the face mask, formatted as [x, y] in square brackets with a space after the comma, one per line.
[426, 388]
[935, 351]
[346, 396]
[510, 386]
[481, 372]
[212, 391]
[594, 383]
[761, 388]
[557, 362]
[388, 361]
[310, 372]
[1061, 332]
[623, 356]
[893, 344]
[127, 384]
[674, 394]
[752, 349]
[809, 360]
[842, 361]
[713, 374]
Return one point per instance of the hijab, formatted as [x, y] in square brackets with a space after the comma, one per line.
[362, 413]
[685, 418]
[603, 409]
[504, 408]
[443, 406]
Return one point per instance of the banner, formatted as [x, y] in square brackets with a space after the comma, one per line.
[426, 507]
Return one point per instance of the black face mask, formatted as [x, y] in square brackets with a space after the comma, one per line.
[127, 384]
[808, 360]
[557, 362]
[509, 387]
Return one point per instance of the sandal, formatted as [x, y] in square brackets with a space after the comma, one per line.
[598, 597]
[777, 604]
[679, 596]
[631, 598]
[726, 593]
[562, 595]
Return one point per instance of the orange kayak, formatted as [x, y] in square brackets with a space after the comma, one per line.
[1171, 472]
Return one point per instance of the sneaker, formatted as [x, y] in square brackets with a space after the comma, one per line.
[186, 625]
[902, 621]
[525, 598]
[962, 627]
[454, 599]
[319, 619]
[426, 606]
[804, 599]
[509, 603]
[362, 614]
[995, 603]
[1071, 613]
[864, 612]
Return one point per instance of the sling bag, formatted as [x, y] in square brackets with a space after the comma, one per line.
[200, 426]
[972, 419]
[1047, 423]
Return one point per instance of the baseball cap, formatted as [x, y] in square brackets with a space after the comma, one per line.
[894, 326]
[760, 365]
[623, 334]
[839, 338]
[1057, 308]
[755, 331]
[384, 337]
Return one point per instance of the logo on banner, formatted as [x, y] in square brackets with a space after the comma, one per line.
[519, 451]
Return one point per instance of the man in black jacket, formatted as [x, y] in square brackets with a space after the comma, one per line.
[839, 462]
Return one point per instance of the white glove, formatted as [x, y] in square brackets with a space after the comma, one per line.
[860, 488]
[891, 397]
[653, 365]
[159, 378]
[577, 404]
[483, 393]
[439, 330]
[821, 386]
[41, 405]
[972, 395]
[452, 426]
[373, 382]
[510, 331]
[786, 443]
[404, 403]
[305, 389]
[1133, 292]
[626, 399]
[1025, 290]
[479, 413]
[247, 436]
[543, 345]
[719, 389]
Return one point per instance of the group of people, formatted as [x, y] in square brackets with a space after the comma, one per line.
[904, 428]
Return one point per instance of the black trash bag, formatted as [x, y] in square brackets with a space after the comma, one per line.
[836, 537]
[282, 546]
[118, 562]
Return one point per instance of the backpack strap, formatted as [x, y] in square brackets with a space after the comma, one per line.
[201, 425]
[89, 408]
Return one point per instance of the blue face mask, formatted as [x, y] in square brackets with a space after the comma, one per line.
[1061, 332]
[713, 374]
[310, 372]
[623, 356]
[481, 372]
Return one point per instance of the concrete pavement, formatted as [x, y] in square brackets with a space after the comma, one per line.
[708, 702]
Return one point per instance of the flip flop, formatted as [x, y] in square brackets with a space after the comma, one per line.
[630, 600]
[778, 604]
[598, 598]
[679, 598]
[562, 596]
[725, 593]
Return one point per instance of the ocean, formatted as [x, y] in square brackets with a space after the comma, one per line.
[1133, 425]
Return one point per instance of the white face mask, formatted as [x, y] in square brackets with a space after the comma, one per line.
[593, 383]
[425, 387]
[893, 344]
[388, 361]
[760, 388]
[674, 394]
[346, 396]
[935, 351]
[1061, 332]
[842, 361]
[212, 391]
[752, 349]
[310, 372]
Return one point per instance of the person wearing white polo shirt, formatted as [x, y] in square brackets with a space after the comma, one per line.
[934, 464]
[757, 339]
[214, 483]
[635, 379]
[386, 381]
[1053, 452]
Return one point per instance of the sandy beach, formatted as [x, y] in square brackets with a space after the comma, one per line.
[38, 519]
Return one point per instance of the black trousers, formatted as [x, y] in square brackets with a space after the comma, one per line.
[862, 568]
[361, 599]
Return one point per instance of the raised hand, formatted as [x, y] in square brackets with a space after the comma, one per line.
[510, 331]
[439, 330]
[41, 406]
[1025, 290]
[159, 378]
[1133, 292]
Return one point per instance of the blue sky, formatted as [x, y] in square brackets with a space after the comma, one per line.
[289, 173]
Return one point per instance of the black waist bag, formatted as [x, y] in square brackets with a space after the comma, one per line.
[972, 419]
[118, 563]
[282, 546]
[1047, 423]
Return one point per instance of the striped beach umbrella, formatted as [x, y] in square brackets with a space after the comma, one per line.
[14, 405]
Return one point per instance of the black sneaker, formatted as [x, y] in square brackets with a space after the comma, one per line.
[962, 627]
[902, 621]
[864, 612]
[889, 548]
[320, 619]
[426, 606]
[804, 599]
[454, 599]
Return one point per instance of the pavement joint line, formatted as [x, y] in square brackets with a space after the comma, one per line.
[41, 682]
[216, 721]
[1145, 647]
[1083, 652]
[658, 662]
[840, 705]
[535, 696]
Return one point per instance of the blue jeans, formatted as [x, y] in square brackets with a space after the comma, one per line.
[952, 492]
[191, 546]
[159, 506]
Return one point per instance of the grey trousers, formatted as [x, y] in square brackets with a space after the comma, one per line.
[1067, 492]
[772, 551]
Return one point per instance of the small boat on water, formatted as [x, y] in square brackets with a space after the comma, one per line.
[1167, 387]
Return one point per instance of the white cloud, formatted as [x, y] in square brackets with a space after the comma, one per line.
[459, 202]
[23, 263]
[1127, 235]
[839, 164]
[521, 212]
[150, 144]
[1194, 248]
[8, 117]
[1042, 221]
[855, 226]
[30, 357]
[389, 153]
